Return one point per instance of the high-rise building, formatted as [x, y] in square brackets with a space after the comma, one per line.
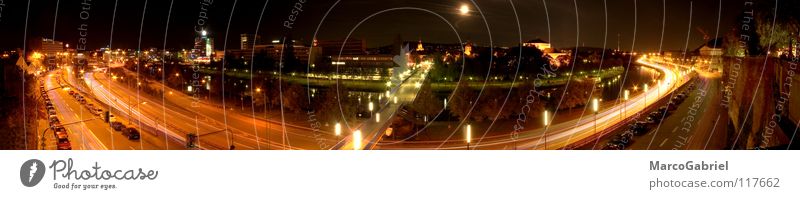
[49, 47]
[333, 47]
[203, 47]
[248, 41]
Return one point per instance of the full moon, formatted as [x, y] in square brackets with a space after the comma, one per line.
[464, 9]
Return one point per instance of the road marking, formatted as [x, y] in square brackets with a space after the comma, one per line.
[242, 145]
[662, 142]
[712, 132]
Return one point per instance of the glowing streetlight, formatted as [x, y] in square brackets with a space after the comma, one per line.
[357, 140]
[388, 94]
[545, 118]
[395, 99]
[464, 9]
[377, 117]
[468, 134]
[370, 106]
[625, 104]
[645, 94]
[595, 108]
[258, 90]
[546, 121]
[337, 129]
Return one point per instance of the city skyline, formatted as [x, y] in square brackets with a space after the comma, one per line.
[383, 28]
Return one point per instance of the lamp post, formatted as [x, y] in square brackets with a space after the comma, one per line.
[595, 108]
[357, 140]
[625, 104]
[338, 129]
[371, 107]
[645, 88]
[545, 120]
[468, 134]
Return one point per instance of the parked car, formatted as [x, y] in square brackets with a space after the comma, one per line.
[117, 126]
[651, 119]
[613, 146]
[131, 133]
[63, 142]
[54, 121]
[71, 92]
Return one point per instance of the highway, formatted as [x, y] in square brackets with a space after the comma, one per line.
[87, 130]
[181, 115]
[575, 132]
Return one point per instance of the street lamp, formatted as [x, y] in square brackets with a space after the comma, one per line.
[357, 140]
[468, 134]
[645, 94]
[625, 104]
[338, 129]
[377, 117]
[595, 108]
[395, 99]
[545, 120]
[371, 107]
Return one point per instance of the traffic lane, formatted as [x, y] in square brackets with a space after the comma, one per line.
[239, 125]
[112, 139]
[710, 132]
[210, 134]
[677, 129]
[80, 136]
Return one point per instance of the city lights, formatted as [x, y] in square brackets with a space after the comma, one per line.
[357, 140]
[338, 129]
[464, 9]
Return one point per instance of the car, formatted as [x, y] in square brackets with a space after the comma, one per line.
[663, 110]
[638, 128]
[53, 119]
[627, 133]
[117, 126]
[98, 111]
[71, 92]
[612, 146]
[63, 142]
[622, 141]
[131, 133]
[651, 119]
[672, 105]
[51, 111]
[90, 106]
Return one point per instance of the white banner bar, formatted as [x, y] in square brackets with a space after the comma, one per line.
[399, 174]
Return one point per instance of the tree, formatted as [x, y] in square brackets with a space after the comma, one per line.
[15, 120]
[577, 94]
[462, 100]
[294, 97]
[490, 103]
[334, 105]
[426, 103]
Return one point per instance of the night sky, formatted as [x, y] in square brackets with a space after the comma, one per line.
[379, 30]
